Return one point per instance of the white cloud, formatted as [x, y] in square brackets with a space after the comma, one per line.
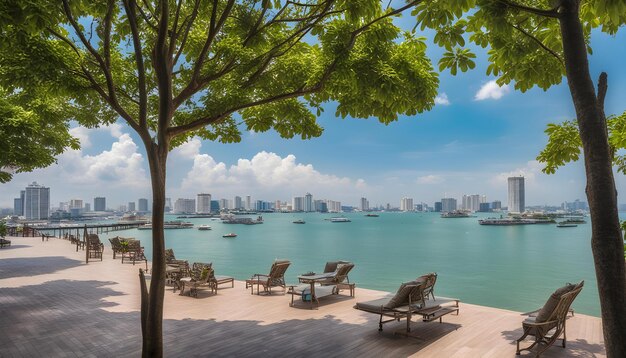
[529, 172]
[82, 133]
[430, 179]
[442, 99]
[188, 150]
[491, 90]
[265, 174]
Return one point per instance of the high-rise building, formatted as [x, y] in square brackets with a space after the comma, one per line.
[185, 206]
[438, 206]
[406, 204]
[496, 205]
[23, 197]
[320, 206]
[333, 206]
[484, 207]
[99, 203]
[36, 202]
[87, 207]
[143, 205]
[168, 205]
[516, 195]
[297, 203]
[364, 205]
[308, 202]
[237, 203]
[448, 205]
[248, 205]
[203, 203]
[224, 204]
[215, 206]
[471, 202]
[131, 206]
[76, 204]
[18, 207]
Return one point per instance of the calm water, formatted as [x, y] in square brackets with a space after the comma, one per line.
[510, 267]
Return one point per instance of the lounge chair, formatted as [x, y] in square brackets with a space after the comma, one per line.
[116, 246]
[200, 278]
[134, 252]
[548, 323]
[95, 248]
[276, 278]
[409, 300]
[338, 275]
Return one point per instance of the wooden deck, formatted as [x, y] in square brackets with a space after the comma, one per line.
[52, 304]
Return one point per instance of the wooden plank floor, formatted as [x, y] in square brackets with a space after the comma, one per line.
[52, 304]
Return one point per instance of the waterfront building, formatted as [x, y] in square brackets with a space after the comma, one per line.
[18, 207]
[223, 204]
[419, 207]
[76, 204]
[215, 206]
[203, 203]
[364, 205]
[333, 206]
[87, 207]
[185, 206]
[308, 203]
[574, 206]
[448, 205]
[237, 203]
[99, 203]
[123, 209]
[516, 195]
[131, 206]
[143, 205]
[168, 205]
[471, 202]
[320, 206]
[496, 205]
[297, 203]
[36, 202]
[406, 204]
[23, 198]
[484, 207]
[248, 205]
[438, 206]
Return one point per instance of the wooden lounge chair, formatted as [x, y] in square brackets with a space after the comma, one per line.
[95, 248]
[134, 252]
[339, 276]
[200, 278]
[409, 300]
[116, 246]
[276, 278]
[548, 323]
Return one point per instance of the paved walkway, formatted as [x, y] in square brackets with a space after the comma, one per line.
[52, 304]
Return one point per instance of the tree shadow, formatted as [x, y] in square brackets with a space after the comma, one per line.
[32, 266]
[65, 318]
[573, 347]
[13, 247]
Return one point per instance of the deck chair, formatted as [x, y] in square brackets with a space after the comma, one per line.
[116, 246]
[429, 280]
[134, 252]
[200, 278]
[548, 324]
[95, 248]
[339, 276]
[276, 278]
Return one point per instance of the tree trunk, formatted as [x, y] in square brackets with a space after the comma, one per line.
[606, 241]
[152, 310]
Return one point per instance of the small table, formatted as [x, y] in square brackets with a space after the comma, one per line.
[312, 280]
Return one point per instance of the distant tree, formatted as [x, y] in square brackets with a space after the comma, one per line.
[33, 131]
[172, 70]
[536, 43]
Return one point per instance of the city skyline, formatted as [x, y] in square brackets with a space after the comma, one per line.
[477, 135]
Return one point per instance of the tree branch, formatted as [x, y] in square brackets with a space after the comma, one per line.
[130, 6]
[538, 42]
[602, 88]
[546, 13]
[187, 23]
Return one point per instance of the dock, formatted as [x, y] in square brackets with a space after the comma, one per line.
[52, 304]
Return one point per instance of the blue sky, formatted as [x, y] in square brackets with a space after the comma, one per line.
[466, 146]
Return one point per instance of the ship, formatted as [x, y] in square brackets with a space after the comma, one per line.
[169, 225]
[204, 227]
[339, 220]
[230, 235]
[566, 224]
[372, 215]
[299, 221]
[455, 214]
[245, 221]
[507, 221]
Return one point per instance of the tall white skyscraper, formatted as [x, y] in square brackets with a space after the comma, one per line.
[248, 202]
[333, 206]
[517, 195]
[203, 203]
[36, 202]
[237, 203]
[297, 203]
[308, 203]
[448, 205]
[224, 204]
[364, 204]
[406, 204]
[185, 206]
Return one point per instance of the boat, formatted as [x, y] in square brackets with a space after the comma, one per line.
[204, 227]
[455, 214]
[169, 225]
[575, 220]
[372, 215]
[299, 221]
[340, 220]
[232, 234]
[507, 221]
[230, 219]
[566, 224]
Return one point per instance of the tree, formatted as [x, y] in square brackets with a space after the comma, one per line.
[210, 68]
[32, 132]
[536, 43]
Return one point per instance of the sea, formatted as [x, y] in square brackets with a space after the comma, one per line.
[509, 267]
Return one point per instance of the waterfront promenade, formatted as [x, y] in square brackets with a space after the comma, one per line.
[52, 304]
